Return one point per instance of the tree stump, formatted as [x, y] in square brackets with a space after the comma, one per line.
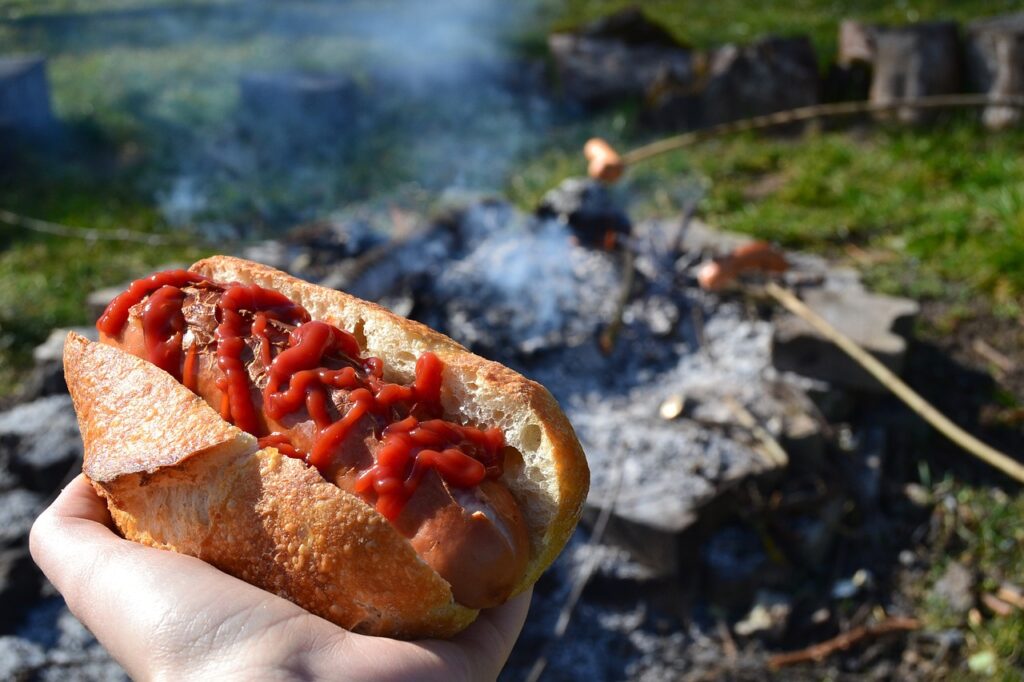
[287, 112]
[25, 95]
[738, 81]
[617, 57]
[995, 65]
[907, 62]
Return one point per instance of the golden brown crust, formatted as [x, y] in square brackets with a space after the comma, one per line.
[553, 484]
[260, 516]
[110, 390]
[177, 476]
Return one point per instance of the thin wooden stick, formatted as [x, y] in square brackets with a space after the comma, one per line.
[914, 401]
[842, 642]
[812, 112]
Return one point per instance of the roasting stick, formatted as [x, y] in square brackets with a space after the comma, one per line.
[913, 400]
[607, 165]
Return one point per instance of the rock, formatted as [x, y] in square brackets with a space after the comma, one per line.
[271, 252]
[20, 659]
[18, 509]
[847, 588]
[617, 57]
[25, 96]
[956, 588]
[768, 617]
[47, 375]
[19, 587]
[877, 323]
[909, 61]
[995, 64]
[52, 350]
[772, 74]
[586, 206]
[41, 442]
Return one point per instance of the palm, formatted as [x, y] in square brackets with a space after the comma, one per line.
[165, 614]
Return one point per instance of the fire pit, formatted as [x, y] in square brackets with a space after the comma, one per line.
[673, 392]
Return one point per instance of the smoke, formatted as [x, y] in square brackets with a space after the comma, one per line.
[276, 113]
[531, 286]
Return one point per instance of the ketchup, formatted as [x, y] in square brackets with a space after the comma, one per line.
[319, 360]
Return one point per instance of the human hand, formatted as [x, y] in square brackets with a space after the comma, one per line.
[164, 615]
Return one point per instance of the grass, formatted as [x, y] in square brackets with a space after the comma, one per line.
[704, 24]
[44, 280]
[937, 207]
[981, 528]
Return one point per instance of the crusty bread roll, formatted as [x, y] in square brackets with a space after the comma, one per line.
[177, 476]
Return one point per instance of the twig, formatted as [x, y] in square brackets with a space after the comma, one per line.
[119, 235]
[990, 354]
[812, 112]
[565, 615]
[610, 334]
[842, 642]
[914, 401]
[774, 453]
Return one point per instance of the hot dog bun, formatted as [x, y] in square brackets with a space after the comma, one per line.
[177, 476]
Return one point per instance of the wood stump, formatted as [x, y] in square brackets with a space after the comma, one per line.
[995, 65]
[907, 62]
[25, 95]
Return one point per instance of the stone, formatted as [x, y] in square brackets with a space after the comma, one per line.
[768, 617]
[19, 586]
[41, 442]
[47, 375]
[52, 350]
[25, 95]
[738, 81]
[619, 56]
[587, 207]
[956, 588]
[879, 324]
[18, 509]
[995, 64]
[20, 659]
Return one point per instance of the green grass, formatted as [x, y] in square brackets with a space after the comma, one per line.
[704, 24]
[981, 528]
[44, 280]
[946, 204]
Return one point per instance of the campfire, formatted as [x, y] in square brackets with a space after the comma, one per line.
[683, 411]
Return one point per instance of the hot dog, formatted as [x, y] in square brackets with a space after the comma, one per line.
[757, 256]
[462, 461]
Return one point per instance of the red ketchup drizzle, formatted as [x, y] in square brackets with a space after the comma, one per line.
[163, 324]
[231, 333]
[114, 318]
[413, 440]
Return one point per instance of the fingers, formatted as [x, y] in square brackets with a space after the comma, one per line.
[161, 612]
[150, 608]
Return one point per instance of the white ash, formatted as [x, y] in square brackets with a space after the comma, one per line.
[531, 288]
